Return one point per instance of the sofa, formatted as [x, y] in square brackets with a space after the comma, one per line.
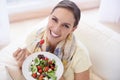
[104, 48]
[103, 44]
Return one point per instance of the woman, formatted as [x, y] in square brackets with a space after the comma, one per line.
[58, 38]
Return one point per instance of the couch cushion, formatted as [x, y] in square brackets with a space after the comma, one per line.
[104, 47]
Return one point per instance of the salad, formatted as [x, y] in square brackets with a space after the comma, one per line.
[43, 68]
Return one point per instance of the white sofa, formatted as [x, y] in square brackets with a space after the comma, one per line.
[104, 47]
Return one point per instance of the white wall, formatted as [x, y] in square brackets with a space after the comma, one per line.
[110, 11]
[4, 24]
[17, 6]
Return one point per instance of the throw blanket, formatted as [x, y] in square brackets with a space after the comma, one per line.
[64, 50]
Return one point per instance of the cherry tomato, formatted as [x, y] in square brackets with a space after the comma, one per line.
[34, 75]
[50, 62]
[41, 41]
[40, 70]
[40, 77]
[46, 68]
[46, 58]
[39, 67]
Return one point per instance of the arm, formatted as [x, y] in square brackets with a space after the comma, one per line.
[82, 76]
[62, 78]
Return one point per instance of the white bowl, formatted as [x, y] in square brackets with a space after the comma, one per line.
[27, 63]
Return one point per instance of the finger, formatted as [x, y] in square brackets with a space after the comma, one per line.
[20, 64]
[22, 52]
[22, 58]
[20, 61]
[27, 52]
[16, 52]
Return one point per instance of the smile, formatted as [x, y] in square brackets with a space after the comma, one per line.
[54, 35]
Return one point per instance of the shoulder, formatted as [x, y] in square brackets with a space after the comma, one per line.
[81, 59]
[81, 49]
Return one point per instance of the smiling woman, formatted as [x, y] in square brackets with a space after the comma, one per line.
[58, 35]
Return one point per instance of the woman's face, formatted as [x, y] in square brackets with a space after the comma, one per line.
[60, 25]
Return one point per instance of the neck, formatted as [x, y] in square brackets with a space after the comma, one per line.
[52, 46]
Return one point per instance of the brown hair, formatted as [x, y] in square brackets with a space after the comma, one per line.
[71, 6]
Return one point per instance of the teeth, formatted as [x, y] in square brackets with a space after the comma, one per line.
[55, 35]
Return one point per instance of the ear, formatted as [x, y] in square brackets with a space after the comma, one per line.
[74, 28]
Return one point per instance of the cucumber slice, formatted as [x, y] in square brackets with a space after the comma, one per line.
[34, 69]
[37, 61]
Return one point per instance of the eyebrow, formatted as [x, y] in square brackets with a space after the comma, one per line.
[63, 23]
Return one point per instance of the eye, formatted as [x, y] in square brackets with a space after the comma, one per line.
[66, 26]
[54, 19]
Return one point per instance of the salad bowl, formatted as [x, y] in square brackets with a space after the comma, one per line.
[42, 66]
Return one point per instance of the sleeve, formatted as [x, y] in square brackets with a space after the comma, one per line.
[81, 59]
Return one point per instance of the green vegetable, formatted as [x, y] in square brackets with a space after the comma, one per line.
[53, 61]
[33, 69]
[37, 61]
[52, 75]
[44, 66]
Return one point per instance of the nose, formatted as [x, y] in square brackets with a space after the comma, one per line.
[57, 28]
